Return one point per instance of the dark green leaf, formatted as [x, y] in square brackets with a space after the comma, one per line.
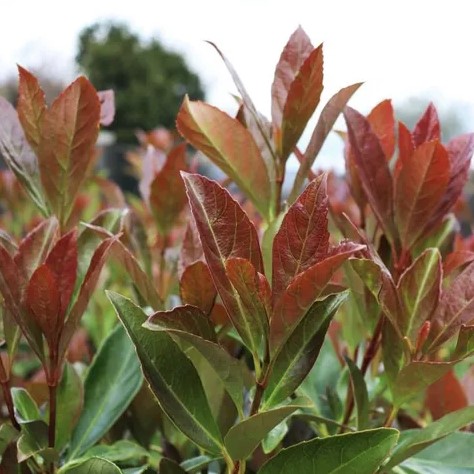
[111, 383]
[196, 464]
[361, 397]
[170, 375]
[167, 466]
[352, 453]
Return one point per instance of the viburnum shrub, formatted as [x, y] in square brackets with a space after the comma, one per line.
[327, 330]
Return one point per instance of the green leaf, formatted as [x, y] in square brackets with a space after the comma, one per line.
[8, 434]
[90, 466]
[361, 397]
[413, 441]
[168, 466]
[244, 437]
[123, 451]
[351, 453]
[70, 398]
[111, 383]
[297, 355]
[162, 361]
[25, 405]
[274, 437]
[196, 464]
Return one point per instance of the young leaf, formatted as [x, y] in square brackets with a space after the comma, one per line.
[167, 195]
[230, 146]
[361, 397]
[217, 216]
[197, 287]
[69, 132]
[244, 437]
[297, 354]
[421, 183]
[428, 127]
[302, 100]
[419, 289]
[360, 453]
[161, 360]
[293, 56]
[326, 121]
[382, 122]
[303, 238]
[31, 107]
[372, 168]
[414, 441]
[109, 387]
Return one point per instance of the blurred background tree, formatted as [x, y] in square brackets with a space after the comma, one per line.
[149, 80]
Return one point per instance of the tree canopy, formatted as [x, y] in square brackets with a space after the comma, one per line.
[149, 80]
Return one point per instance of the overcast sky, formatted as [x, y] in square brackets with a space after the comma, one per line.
[400, 49]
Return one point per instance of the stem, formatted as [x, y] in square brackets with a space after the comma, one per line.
[391, 417]
[52, 416]
[5, 381]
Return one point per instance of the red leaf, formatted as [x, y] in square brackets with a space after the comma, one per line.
[445, 396]
[420, 186]
[167, 193]
[226, 232]
[303, 291]
[35, 246]
[303, 98]
[382, 121]
[230, 146]
[197, 287]
[62, 261]
[372, 168]
[191, 249]
[293, 56]
[303, 237]
[69, 134]
[107, 106]
[428, 127]
[457, 259]
[406, 147]
[31, 107]
[44, 300]
[460, 150]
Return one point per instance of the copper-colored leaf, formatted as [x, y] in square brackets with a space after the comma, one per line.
[293, 56]
[372, 168]
[428, 127]
[303, 291]
[69, 133]
[197, 287]
[31, 107]
[406, 147]
[420, 185]
[167, 194]
[382, 121]
[44, 301]
[326, 120]
[226, 232]
[302, 100]
[230, 146]
[445, 396]
[107, 106]
[457, 259]
[303, 237]
[191, 249]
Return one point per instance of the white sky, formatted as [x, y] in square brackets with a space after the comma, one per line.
[400, 49]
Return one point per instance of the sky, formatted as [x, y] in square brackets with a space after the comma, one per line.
[399, 49]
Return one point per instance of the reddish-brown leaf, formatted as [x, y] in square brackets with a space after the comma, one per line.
[420, 186]
[69, 133]
[191, 249]
[230, 146]
[107, 106]
[35, 246]
[372, 168]
[428, 127]
[302, 100]
[303, 291]
[226, 232]
[303, 237]
[326, 121]
[62, 261]
[31, 107]
[460, 150]
[457, 259]
[456, 308]
[382, 121]
[197, 287]
[167, 193]
[405, 147]
[445, 396]
[44, 301]
[293, 56]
